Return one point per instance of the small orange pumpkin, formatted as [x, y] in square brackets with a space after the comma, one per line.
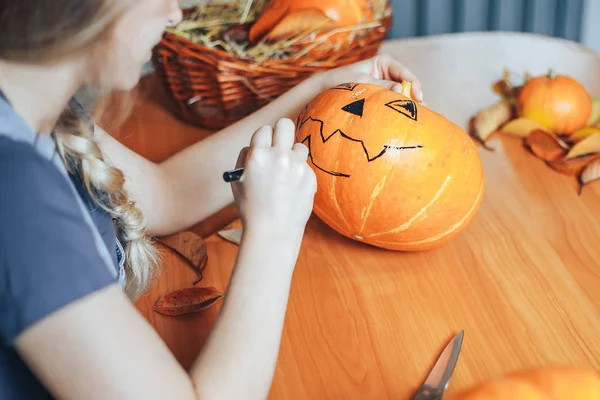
[558, 102]
[390, 172]
[547, 383]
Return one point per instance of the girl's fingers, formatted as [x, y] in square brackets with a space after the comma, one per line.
[300, 152]
[242, 157]
[390, 69]
[284, 135]
[263, 137]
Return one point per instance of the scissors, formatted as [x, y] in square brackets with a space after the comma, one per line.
[436, 383]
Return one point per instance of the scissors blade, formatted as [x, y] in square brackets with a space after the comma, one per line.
[440, 374]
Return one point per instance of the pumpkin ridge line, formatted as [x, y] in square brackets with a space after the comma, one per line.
[345, 136]
[337, 203]
[366, 212]
[446, 232]
[422, 211]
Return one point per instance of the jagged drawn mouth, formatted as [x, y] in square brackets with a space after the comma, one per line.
[370, 158]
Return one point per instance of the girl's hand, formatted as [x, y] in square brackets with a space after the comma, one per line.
[276, 192]
[381, 70]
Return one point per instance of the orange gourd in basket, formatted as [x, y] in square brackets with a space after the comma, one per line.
[390, 172]
[273, 13]
[342, 12]
[284, 19]
[558, 102]
[548, 383]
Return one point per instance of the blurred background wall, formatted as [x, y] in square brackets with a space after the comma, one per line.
[559, 18]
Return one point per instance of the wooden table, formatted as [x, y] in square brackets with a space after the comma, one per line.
[523, 280]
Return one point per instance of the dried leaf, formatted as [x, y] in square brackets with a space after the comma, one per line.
[589, 145]
[545, 146]
[489, 120]
[573, 166]
[271, 16]
[595, 115]
[590, 174]
[521, 127]
[583, 133]
[300, 22]
[504, 88]
[189, 246]
[186, 301]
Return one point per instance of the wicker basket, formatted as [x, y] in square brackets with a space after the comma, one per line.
[212, 88]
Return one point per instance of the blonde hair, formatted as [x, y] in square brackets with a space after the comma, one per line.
[41, 30]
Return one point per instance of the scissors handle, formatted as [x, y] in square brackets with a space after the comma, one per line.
[427, 392]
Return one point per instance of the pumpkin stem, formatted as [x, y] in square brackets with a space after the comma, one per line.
[551, 74]
[406, 86]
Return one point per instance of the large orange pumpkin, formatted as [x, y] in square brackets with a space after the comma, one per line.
[548, 383]
[390, 172]
[558, 102]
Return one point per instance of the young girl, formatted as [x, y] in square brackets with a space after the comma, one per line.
[78, 208]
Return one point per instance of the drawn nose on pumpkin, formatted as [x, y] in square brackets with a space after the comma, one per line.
[356, 107]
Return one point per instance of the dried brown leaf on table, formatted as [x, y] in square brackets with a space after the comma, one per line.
[573, 166]
[504, 88]
[189, 246]
[589, 145]
[186, 301]
[590, 174]
[545, 146]
[301, 22]
[489, 120]
[583, 133]
[595, 115]
[521, 127]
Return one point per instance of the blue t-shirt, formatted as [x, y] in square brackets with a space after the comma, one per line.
[56, 246]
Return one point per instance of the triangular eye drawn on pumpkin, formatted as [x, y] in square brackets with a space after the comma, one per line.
[346, 86]
[407, 108]
[356, 107]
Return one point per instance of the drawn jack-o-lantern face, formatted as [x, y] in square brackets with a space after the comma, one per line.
[390, 172]
[356, 121]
